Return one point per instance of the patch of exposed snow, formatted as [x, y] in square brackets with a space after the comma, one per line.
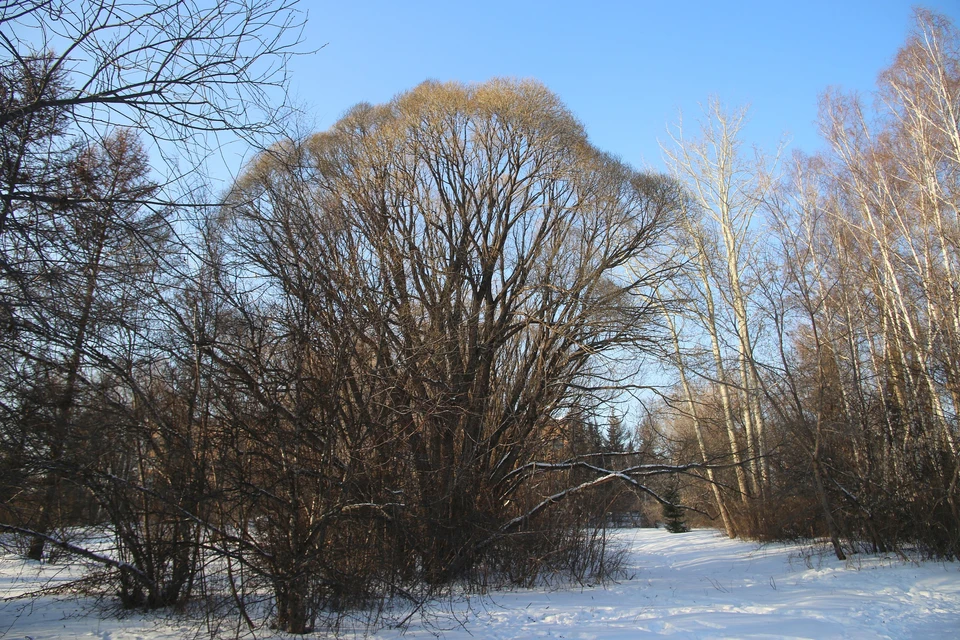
[692, 585]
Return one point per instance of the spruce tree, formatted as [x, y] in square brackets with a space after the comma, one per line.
[673, 511]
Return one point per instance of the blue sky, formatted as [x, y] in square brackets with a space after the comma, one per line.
[623, 68]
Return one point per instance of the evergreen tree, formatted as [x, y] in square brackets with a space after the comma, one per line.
[616, 440]
[673, 511]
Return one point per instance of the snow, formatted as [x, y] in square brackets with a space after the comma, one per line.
[692, 585]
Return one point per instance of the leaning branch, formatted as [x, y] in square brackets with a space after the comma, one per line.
[628, 475]
[80, 551]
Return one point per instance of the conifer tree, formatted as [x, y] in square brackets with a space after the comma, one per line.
[673, 511]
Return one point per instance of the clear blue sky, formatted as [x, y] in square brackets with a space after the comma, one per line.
[623, 68]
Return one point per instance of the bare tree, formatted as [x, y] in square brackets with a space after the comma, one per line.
[726, 191]
[501, 238]
[459, 258]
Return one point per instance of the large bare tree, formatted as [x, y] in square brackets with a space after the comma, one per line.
[452, 266]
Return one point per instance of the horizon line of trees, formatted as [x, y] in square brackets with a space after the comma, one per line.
[378, 364]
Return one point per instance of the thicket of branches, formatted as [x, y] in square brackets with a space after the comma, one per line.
[377, 365]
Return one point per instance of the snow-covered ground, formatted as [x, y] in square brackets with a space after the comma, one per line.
[693, 585]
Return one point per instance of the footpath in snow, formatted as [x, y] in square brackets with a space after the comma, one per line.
[693, 585]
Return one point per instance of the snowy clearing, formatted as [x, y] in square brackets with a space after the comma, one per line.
[693, 585]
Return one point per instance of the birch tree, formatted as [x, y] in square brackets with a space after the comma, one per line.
[726, 191]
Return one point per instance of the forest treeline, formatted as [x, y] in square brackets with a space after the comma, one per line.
[817, 346]
[387, 359]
